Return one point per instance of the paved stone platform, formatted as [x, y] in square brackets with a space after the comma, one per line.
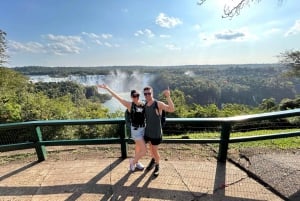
[110, 179]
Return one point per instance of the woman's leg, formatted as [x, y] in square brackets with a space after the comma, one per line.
[140, 150]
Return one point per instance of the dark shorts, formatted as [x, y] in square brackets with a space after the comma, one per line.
[154, 141]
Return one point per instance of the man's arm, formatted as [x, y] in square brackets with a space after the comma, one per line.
[167, 107]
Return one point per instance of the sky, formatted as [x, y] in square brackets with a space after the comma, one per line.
[149, 33]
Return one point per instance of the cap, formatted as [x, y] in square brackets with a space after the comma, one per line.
[134, 92]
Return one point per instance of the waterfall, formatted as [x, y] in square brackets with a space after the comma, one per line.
[119, 81]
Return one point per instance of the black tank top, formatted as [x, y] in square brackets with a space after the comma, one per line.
[138, 114]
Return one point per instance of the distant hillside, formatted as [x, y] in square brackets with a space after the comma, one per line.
[247, 84]
[103, 70]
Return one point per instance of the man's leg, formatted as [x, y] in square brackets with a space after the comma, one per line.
[157, 159]
[155, 154]
[152, 162]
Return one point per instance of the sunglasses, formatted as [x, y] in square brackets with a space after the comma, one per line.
[147, 94]
[135, 96]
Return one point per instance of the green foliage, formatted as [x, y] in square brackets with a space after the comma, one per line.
[60, 89]
[247, 85]
[229, 110]
[206, 92]
[179, 100]
[291, 60]
[287, 103]
[23, 101]
[268, 104]
[12, 92]
[3, 47]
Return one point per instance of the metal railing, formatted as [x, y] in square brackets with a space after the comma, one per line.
[225, 124]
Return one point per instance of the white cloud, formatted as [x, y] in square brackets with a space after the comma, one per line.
[146, 32]
[124, 10]
[167, 22]
[98, 42]
[56, 44]
[197, 27]
[100, 38]
[32, 47]
[106, 36]
[70, 40]
[229, 35]
[107, 44]
[91, 35]
[164, 36]
[60, 44]
[97, 36]
[272, 31]
[63, 48]
[295, 29]
[172, 47]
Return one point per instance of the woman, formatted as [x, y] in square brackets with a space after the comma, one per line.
[137, 113]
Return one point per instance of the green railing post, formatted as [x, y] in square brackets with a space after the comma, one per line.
[40, 149]
[223, 146]
[123, 141]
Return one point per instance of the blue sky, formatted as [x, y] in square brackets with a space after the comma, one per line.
[140, 32]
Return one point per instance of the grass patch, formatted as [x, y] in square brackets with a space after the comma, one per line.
[15, 157]
[282, 143]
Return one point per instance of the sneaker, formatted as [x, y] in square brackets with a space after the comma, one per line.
[131, 165]
[151, 164]
[139, 166]
[156, 170]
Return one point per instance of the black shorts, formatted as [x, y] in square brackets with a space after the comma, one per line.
[154, 141]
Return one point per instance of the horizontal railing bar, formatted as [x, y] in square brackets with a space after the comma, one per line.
[62, 122]
[12, 147]
[191, 141]
[235, 119]
[264, 137]
[253, 117]
[225, 123]
[80, 142]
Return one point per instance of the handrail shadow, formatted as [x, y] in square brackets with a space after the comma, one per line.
[18, 170]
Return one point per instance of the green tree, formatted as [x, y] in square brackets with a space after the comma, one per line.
[12, 92]
[268, 104]
[3, 47]
[235, 10]
[291, 59]
[230, 109]
[178, 98]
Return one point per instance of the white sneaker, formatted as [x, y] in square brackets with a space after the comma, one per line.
[139, 166]
[131, 165]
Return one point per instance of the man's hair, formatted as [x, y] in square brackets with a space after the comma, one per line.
[148, 88]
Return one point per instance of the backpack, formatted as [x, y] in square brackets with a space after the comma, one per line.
[128, 117]
[163, 115]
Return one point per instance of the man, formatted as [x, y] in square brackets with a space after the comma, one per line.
[153, 130]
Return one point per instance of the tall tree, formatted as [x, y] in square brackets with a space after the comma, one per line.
[235, 10]
[3, 47]
[291, 59]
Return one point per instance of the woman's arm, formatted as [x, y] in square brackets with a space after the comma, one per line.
[124, 102]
